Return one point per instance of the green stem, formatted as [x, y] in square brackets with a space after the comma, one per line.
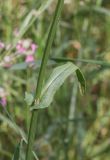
[32, 130]
[97, 62]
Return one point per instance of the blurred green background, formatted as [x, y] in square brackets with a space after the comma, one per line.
[74, 127]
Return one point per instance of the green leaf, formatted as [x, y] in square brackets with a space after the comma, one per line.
[24, 65]
[57, 78]
[16, 155]
[81, 80]
[19, 66]
[29, 98]
[13, 126]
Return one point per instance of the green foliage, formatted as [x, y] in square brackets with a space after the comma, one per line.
[29, 98]
[17, 152]
[57, 78]
[48, 45]
[75, 127]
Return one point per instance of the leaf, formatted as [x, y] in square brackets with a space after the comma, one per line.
[13, 125]
[24, 65]
[81, 80]
[29, 98]
[57, 78]
[16, 155]
[17, 129]
[19, 66]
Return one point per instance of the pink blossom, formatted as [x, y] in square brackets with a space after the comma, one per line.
[33, 47]
[7, 58]
[7, 61]
[20, 48]
[7, 65]
[3, 101]
[2, 45]
[29, 58]
[26, 43]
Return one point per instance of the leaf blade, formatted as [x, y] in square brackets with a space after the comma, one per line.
[16, 155]
[57, 78]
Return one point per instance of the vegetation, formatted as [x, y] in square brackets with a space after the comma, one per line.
[54, 83]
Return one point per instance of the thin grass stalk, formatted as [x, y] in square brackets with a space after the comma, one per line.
[97, 62]
[33, 124]
[73, 114]
[72, 109]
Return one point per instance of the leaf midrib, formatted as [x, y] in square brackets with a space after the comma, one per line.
[56, 78]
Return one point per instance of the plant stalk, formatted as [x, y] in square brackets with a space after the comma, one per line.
[33, 124]
[97, 62]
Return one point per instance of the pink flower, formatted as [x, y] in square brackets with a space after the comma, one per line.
[20, 48]
[33, 47]
[7, 58]
[2, 45]
[7, 61]
[7, 65]
[29, 58]
[3, 101]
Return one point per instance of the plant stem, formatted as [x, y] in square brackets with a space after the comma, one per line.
[97, 62]
[72, 109]
[32, 130]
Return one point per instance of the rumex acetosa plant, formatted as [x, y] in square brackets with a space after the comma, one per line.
[45, 94]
